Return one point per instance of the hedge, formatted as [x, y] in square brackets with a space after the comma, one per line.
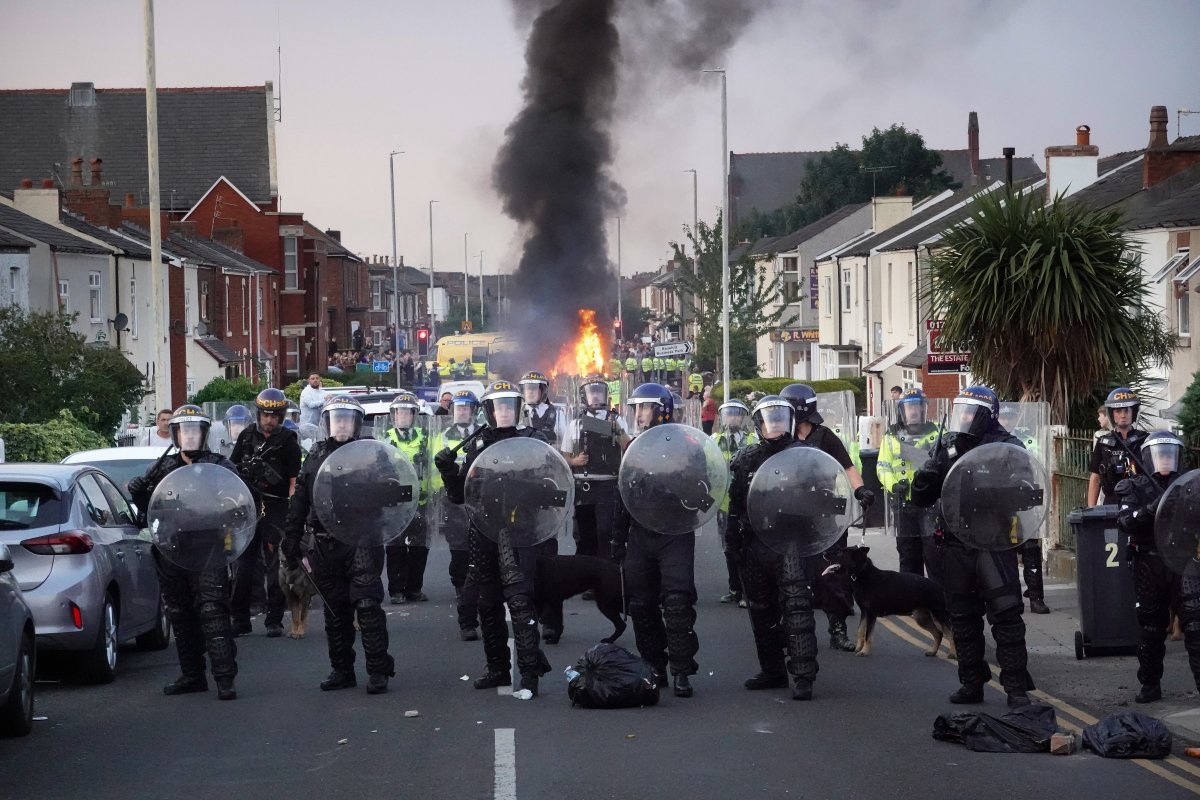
[225, 390]
[1189, 411]
[48, 442]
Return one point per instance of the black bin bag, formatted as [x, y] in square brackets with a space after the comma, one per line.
[1023, 730]
[609, 676]
[1128, 734]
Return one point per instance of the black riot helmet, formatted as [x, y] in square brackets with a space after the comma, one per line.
[976, 412]
[804, 401]
[774, 417]
[343, 418]
[502, 405]
[1162, 452]
[1122, 397]
[658, 396]
[912, 410]
[189, 428]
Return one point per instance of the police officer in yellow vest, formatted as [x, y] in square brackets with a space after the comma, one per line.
[905, 447]
[631, 365]
[614, 366]
[734, 432]
[409, 552]
[453, 523]
[695, 384]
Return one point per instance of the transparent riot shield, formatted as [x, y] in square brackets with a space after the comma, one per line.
[414, 445]
[219, 440]
[907, 452]
[1177, 524]
[366, 493]
[202, 517]
[994, 497]
[800, 499]
[309, 435]
[520, 491]
[837, 409]
[673, 479]
[447, 522]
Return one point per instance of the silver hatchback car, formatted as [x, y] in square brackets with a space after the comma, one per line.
[18, 654]
[85, 568]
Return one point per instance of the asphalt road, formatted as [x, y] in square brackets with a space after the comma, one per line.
[867, 733]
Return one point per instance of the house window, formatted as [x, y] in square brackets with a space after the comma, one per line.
[293, 355]
[847, 364]
[204, 301]
[191, 386]
[258, 304]
[376, 295]
[133, 304]
[94, 296]
[889, 297]
[828, 301]
[1183, 310]
[64, 295]
[791, 290]
[377, 337]
[845, 290]
[12, 280]
[245, 306]
[350, 274]
[187, 311]
[908, 378]
[228, 329]
[291, 263]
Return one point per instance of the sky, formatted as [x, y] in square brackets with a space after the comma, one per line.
[441, 80]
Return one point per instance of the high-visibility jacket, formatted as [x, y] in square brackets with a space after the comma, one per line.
[413, 445]
[901, 454]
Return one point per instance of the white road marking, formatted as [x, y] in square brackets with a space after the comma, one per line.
[506, 764]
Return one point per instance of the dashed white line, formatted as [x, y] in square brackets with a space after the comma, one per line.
[506, 764]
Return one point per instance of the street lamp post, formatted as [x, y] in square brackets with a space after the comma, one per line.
[466, 284]
[432, 311]
[621, 329]
[481, 319]
[395, 267]
[724, 229]
[695, 234]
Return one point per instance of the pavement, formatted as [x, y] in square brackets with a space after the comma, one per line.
[866, 734]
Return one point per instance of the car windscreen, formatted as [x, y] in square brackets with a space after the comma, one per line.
[121, 470]
[29, 505]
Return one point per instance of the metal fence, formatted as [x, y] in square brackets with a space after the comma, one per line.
[1069, 481]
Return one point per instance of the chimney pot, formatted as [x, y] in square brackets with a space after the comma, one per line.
[130, 200]
[973, 144]
[96, 164]
[26, 183]
[76, 171]
[1083, 135]
[47, 183]
[1158, 127]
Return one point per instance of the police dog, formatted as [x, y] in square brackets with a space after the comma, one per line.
[563, 577]
[298, 590]
[882, 593]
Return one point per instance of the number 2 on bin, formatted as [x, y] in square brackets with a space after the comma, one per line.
[1111, 561]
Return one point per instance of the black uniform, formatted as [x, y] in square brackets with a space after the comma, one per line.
[979, 582]
[268, 464]
[543, 418]
[502, 575]
[197, 602]
[596, 494]
[1157, 588]
[832, 593]
[348, 577]
[453, 526]
[1112, 462]
[777, 585]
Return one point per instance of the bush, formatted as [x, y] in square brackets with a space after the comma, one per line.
[775, 386]
[1189, 411]
[222, 389]
[293, 390]
[48, 442]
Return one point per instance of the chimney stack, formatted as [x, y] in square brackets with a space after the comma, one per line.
[1158, 128]
[47, 183]
[1072, 167]
[1009, 152]
[96, 181]
[26, 183]
[130, 200]
[335, 235]
[973, 145]
[1083, 135]
[76, 172]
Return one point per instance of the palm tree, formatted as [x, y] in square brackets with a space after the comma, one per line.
[1049, 299]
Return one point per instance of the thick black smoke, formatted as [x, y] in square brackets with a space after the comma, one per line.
[553, 171]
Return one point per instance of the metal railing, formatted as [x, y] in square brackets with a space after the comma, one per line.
[1069, 482]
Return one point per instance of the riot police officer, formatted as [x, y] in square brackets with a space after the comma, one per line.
[197, 602]
[777, 587]
[500, 583]
[408, 553]
[348, 576]
[832, 591]
[464, 406]
[905, 448]
[732, 435]
[1029, 551]
[267, 455]
[544, 417]
[978, 581]
[593, 446]
[659, 571]
[1157, 587]
[1111, 459]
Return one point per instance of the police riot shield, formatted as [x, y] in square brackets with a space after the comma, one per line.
[202, 517]
[1177, 524]
[800, 498]
[837, 409]
[519, 489]
[219, 440]
[447, 522]
[366, 493]
[309, 435]
[994, 497]
[673, 479]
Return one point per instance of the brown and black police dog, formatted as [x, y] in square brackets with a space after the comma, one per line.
[883, 593]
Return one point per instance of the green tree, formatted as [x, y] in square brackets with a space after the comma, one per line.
[750, 297]
[635, 317]
[1189, 412]
[891, 160]
[48, 367]
[1050, 300]
[227, 390]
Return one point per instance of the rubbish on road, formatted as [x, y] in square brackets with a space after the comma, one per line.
[1023, 730]
[411, 714]
[343, 741]
[1193, 752]
[375, 731]
[1062, 744]
[609, 676]
[1128, 734]
[465, 678]
[40, 719]
[631, 736]
[523, 694]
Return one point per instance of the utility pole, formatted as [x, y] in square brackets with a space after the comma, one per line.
[432, 312]
[466, 284]
[162, 395]
[395, 267]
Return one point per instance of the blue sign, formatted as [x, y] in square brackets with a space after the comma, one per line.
[381, 366]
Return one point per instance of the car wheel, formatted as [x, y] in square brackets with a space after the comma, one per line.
[158, 637]
[99, 665]
[16, 717]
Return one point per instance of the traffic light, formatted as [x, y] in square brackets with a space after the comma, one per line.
[422, 341]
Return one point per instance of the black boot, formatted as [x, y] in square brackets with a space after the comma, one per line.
[838, 640]
[339, 680]
[551, 635]
[225, 690]
[468, 634]
[1038, 606]
[967, 694]
[1018, 699]
[802, 689]
[1149, 693]
[493, 678]
[186, 684]
[682, 686]
[767, 680]
[377, 683]
[529, 683]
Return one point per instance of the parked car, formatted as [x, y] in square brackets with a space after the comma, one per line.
[118, 463]
[86, 569]
[18, 653]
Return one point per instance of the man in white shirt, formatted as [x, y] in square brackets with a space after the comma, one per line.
[312, 399]
[160, 434]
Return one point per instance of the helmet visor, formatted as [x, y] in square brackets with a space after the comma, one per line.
[646, 415]
[403, 417]
[505, 411]
[774, 421]
[189, 436]
[595, 394]
[733, 418]
[343, 424]
[914, 413]
[1163, 457]
[969, 418]
[464, 413]
[532, 392]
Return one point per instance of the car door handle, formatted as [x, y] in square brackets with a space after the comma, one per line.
[121, 554]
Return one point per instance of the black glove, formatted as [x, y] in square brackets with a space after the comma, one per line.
[137, 485]
[445, 461]
[290, 547]
[900, 489]
[864, 496]
[617, 551]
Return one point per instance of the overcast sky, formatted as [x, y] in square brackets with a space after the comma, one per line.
[440, 79]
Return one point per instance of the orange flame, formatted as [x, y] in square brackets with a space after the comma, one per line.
[585, 354]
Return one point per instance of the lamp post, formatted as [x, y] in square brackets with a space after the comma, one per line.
[466, 284]
[432, 313]
[724, 228]
[695, 230]
[621, 329]
[395, 267]
[481, 319]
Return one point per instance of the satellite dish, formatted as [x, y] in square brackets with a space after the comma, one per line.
[120, 323]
